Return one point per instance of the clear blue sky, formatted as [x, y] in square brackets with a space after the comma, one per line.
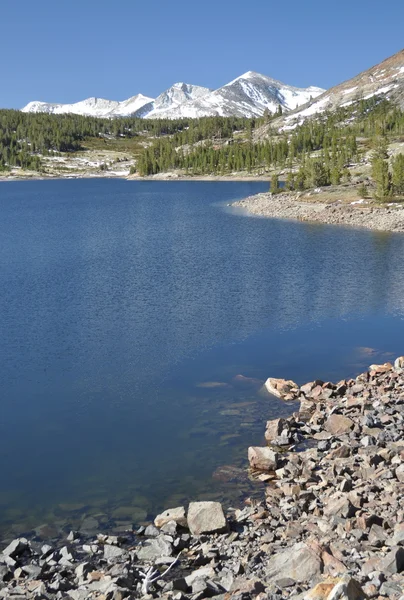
[68, 50]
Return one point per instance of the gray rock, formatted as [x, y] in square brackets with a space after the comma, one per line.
[16, 548]
[155, 548]
[172, 514]
[338, 424]
[152, 531]
[393, 562]
[301, 563]
[263, 458]
[111, 552]
[206, 517]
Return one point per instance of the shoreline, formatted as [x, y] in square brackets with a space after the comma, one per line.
[326, 207]
[330, 523]
[160, 177]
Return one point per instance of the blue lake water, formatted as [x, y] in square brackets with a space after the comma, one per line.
[127, 309]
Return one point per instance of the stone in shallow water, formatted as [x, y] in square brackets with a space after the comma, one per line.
[136, 513]
[16, 548]
[262, 458]
[206, 517]
[172, 514]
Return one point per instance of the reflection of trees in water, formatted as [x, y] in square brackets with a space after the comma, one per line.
[221, 277]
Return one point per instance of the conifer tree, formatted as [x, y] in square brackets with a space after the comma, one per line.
[398, 174]
[380, 169]
[275, 189]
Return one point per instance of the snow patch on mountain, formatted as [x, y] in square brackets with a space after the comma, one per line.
[249, 95]
[92, 107]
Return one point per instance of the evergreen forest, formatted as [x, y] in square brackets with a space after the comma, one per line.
[316, 153]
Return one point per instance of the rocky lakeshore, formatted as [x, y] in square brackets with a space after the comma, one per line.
[310, 207]
[329, 525]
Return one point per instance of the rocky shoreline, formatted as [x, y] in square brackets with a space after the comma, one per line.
[309, 207]
[330, 524]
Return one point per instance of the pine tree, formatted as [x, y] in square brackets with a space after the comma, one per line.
[380, 169]
[275, 189]
[398, 174]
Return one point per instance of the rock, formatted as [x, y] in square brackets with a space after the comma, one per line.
[172, 514]
[282, 388]
[111, 552]
[206, 517]
[339, 504]
[151, 531]
[202, 573]
[338, 424]
[393, 562]
[263, 458]
[247, 587]
[399, 363]
[398, 536]
[345, 588]
[155, 548]
[16, 548]
[274, 429]
[400, 473]
[301, 562]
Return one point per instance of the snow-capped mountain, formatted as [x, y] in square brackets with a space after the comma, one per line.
[247, 96]
[93, 107]
[385, 79]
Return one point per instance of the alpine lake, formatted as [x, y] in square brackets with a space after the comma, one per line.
[138, 322]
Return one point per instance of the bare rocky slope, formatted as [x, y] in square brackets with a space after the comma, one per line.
[385, 78]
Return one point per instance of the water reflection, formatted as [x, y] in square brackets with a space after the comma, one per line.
[118, 298]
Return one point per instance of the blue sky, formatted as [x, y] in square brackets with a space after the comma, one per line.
[68, 50]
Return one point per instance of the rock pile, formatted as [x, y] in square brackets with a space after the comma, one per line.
[292, 205]
[330, 526]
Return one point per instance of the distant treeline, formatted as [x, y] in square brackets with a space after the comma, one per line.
[315, 153]
[333, 137]
[24, 137]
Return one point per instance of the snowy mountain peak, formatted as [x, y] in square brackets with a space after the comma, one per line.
[249, 95]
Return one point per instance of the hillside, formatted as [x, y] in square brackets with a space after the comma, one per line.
[384, 79]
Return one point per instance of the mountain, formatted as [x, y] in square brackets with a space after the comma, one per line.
[386, 79]
[93, 107]
[247, 96]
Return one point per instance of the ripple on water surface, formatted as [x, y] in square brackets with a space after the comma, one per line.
[128, 309]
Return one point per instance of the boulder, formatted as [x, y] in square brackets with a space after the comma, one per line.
[172, 514]
[263, 459]
[400, 473]
[155, 548]
[274, 429]
[302, 562]
[393, 562]
[206, 517]
[339, 504]
[281, 388]
[345, 588]
[399, 363]
[16, 548]
[338, 424]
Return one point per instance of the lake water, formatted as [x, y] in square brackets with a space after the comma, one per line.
[127, 309]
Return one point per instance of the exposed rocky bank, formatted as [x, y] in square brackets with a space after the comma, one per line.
[329, 526]
[297, 206]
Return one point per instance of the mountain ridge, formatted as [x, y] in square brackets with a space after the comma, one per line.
[249, 95]
[383, 79]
